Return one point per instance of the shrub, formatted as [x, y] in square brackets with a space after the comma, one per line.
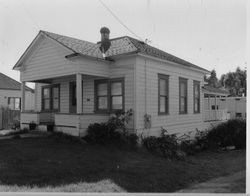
[113, 132]
[150, 143]
[166, 145]
[230, 133]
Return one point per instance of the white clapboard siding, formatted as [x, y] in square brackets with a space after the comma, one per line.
[29, 98]
[147, 101]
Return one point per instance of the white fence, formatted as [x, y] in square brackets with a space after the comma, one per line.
[224, 108]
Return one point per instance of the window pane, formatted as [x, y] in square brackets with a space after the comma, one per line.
[11, 103]
[116, 88]
[183, 89]
[102, 89]
[17, 103]
[196, 103]
[182, 104]
[55, 104]
[117, 103]
[163, 87]
[55, 92]
[163, 104]
[102, 103]
[46, 104]
[196, 90]
[46, 93]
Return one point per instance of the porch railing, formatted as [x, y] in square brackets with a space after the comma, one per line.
[213, 115]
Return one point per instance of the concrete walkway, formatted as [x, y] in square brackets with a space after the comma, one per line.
[235, 183]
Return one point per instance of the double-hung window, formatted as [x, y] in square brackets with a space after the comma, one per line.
[109, 95]
[14, 103]
[163, 94]
[196, 97]
[101, 95]
[183, 95]
[51, 98]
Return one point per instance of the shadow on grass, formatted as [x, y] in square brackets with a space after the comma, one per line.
[60, 165]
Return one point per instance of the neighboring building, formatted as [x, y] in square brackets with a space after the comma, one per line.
[219, 106]
[214, 108]
[77, 84]
[10, 94]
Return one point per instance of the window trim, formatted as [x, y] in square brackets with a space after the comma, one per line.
[199, 96]
[166, 78]
[185, 81]
[50, 87]
[109, 96]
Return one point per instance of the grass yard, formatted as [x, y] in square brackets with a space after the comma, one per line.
[49, 164]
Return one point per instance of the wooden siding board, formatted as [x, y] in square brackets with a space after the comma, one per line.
[173, 119]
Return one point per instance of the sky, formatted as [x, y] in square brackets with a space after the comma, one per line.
[208, 33]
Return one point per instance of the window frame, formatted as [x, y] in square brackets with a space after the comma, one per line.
[199, 96]
[109, 96]
[166, 79]
[116, 80]
[96, 103]
[51, 98]
[9, 98]
[185, 81]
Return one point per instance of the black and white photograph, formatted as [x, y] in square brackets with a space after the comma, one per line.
[123, 97]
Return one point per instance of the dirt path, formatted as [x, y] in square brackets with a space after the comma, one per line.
[235, 183]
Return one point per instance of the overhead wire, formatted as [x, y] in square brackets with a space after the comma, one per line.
[119, 20]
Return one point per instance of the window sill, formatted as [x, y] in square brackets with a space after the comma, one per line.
[163, 114]
[182, 113]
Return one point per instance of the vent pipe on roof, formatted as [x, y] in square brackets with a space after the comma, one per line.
[105, 42]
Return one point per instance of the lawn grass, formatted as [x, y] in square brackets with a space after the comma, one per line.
[49, 164]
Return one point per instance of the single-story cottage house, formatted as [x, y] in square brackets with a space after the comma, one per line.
[78, 82]
[10, 94]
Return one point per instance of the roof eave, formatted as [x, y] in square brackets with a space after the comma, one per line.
[18, 63]
[202, 70]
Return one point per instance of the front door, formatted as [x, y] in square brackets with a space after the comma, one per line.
[72, 97]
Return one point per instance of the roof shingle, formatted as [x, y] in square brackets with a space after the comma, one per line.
[121, 45]
[8, 83]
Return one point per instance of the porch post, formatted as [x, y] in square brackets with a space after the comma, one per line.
[23, 96]
[79, 93]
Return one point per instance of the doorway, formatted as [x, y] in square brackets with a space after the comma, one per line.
[72, 97]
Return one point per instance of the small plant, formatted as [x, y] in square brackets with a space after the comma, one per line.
[16, 125]
[32, 125]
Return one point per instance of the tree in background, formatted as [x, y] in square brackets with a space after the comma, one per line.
[212, 80]
[235, 82]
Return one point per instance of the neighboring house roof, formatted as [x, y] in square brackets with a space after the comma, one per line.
[211, 90]
[8, 83]
[119, 46]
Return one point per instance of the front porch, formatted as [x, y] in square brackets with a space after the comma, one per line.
[73, 102]
[73, 124]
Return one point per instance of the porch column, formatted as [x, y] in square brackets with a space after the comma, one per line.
[23, 96]
[78, 93]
